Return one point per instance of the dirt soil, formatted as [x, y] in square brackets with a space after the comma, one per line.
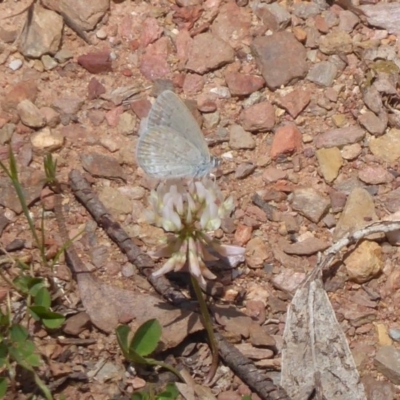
[299, 99]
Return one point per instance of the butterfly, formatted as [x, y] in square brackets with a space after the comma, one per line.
[171, 144]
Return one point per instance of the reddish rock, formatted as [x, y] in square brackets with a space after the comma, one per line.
[141, 107]
[287, 140]
[243, 84]
[96, 63]
[95, 89]
[21, 91]
[193, 84]
[321, 24]
[153, 64]
[183, 42]
[232, 23]
[206, 103]
[243, 234]
[185, 17]
[151, 31]
[375, 175]
[112, 116]
[295, 102]
[208, 52]
[127, 72]
[259, 117]
[340, 137]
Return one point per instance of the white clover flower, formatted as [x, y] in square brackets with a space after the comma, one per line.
[188, 213]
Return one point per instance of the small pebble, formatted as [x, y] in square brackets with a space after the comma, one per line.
[101, 34]
[394, 333]
[15, 64]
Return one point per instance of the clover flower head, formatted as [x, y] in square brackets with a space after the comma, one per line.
[188, 213]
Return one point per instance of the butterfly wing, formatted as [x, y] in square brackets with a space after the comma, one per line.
[162, 153]
[171, 112]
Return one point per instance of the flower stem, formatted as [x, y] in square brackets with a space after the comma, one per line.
[207, 323]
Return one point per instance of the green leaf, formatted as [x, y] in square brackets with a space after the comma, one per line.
[247, 397]
[140, 396]
[146, 338]
[34, 360]
[26, 283]
[43, 298]
[171, 392]
[49, 318]
[122, 333]
[18, 333]
[3, 387]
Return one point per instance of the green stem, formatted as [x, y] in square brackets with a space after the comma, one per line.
[207, 323]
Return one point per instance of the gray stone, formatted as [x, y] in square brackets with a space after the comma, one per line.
[376, 125]
[240, 139]
[30, 115]
[323, 73]
[387, 362]
[310, 203]
[281, 58]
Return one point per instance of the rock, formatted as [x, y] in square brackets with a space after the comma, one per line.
[386, 147]
[16, 64]
[375, 175]
[141, 107]
[365, 262]
[256, 252]
[340, 137]
[115, 201]
[383, 15]
[208, 52]
[306, 247]
[376, 125]
[372, 99]
[394, 334]
[287, 140]
[358, 210]
[229, 395]
[295, 102]
[76, 324]
[96, 62]
[21, 91]
[206, 103]
[150, 31]
[310, 203]
[243, 84]
[323, 73]
[48, 62]
[232, 24]
[102, 166]
[30, 115]
[211, 120]
[259, 336]
[273, 174]
[259, 117]
[244, 170]
[243, 234]
[288, 281]
[391, 200]
[240, 139]
[383, 335]
[281, 16]
[68, 104]
[46, 140]
[193, 84]
[387, 362]
[63, 55]
[95, 89]
[84, 15]
[154, 64]
[306, 10]
[127, 124]
[347, 21]
[281, 58]
[330, 161]
[336, 42]
[376, 389]
[351, 151]
[44, 35]
[52, 118]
